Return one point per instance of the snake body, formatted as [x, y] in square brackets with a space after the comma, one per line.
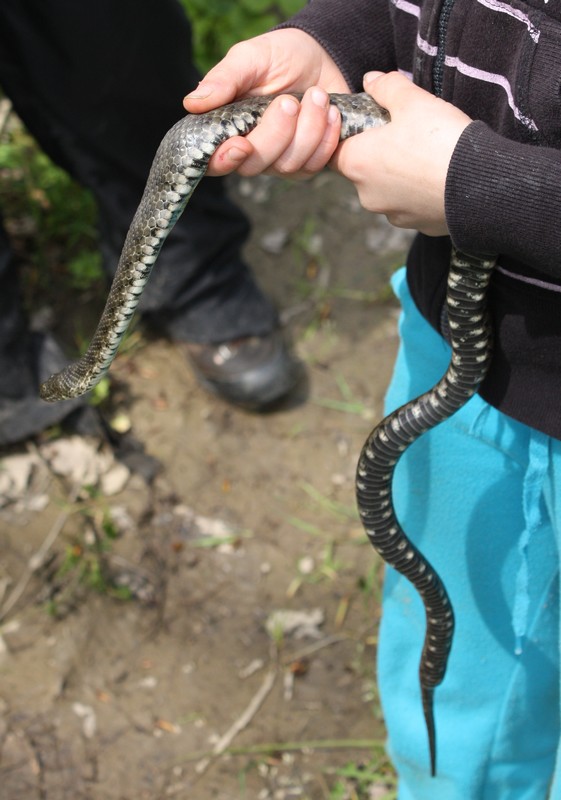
[179, 165]
[470, 337]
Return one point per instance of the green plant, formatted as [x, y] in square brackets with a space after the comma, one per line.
[347, 403]
[41, 202]
[356, 781]
[85, 269]
[218, 24]
[327, 569]
[36, 190]
[85, 566]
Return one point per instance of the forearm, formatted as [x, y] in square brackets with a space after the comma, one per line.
[505, 197]
[357, 34]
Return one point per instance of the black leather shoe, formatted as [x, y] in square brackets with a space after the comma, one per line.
[256, 373]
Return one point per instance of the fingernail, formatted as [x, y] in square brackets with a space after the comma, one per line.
[332, 115]
[319, 98]
[202, 91]
[290, 106]
[371, 76]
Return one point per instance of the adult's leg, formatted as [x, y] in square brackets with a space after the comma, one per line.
[466, 493]
[99, 84]
[16, 375]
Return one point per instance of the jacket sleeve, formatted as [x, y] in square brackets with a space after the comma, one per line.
[357, 34]
[504, 197]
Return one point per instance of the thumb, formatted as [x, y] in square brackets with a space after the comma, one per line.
[234, 76]
[390, 89]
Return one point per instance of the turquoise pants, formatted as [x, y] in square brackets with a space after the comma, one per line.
[481, 497]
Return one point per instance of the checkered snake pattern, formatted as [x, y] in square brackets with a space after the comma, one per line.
[179, 165]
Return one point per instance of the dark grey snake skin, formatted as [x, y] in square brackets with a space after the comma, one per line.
[179, 165]
[470, 337]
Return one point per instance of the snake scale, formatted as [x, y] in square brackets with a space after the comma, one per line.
[179, 165]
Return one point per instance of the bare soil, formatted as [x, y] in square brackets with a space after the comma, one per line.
[115, 694]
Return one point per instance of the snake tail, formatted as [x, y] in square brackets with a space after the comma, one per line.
[427, 696]
[180, 163]
[471, 341]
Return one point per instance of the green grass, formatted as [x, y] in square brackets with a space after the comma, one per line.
[43, 205]
[218, 24]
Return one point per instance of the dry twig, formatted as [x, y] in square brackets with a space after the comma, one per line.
[38, 559]
[242, 722]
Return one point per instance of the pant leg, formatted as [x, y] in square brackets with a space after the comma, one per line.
[553, 501]
[16, 374]
[459, 493]
[26, 359]
[98, 85]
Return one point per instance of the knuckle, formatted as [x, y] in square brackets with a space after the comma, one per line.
[393, 78]
[237, 49]
[286, 168]
[249, 169]
[312, 167]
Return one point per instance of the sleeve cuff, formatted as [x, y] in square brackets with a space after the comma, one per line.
[503, 197]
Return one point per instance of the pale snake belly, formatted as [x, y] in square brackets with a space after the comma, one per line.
[179, 165]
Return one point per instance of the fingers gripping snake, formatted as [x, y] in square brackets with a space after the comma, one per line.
[179, 165]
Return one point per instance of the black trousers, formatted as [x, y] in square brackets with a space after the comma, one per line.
[98, 84]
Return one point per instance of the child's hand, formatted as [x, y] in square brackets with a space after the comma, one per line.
[400, 170]
[292, 138]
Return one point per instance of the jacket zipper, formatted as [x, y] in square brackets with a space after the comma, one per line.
[439, 63]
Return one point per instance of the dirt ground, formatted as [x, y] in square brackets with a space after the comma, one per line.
[142, 653]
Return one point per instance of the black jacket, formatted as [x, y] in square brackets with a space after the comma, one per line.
[500, 62]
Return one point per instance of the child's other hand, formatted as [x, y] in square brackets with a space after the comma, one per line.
[292, 138]
[400, 170]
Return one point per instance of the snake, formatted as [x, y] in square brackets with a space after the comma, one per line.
[470, 335]
[179, 164]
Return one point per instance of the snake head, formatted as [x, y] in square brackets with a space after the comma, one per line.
[58, 387]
